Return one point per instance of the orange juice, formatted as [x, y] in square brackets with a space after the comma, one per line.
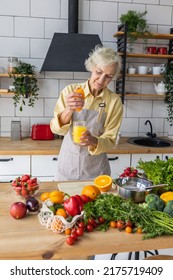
[78, 129]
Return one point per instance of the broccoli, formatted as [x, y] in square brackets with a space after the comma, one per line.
[169, 208]
[154, 202]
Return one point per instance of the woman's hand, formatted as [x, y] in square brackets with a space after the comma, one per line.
[74, 101]
[88, 140]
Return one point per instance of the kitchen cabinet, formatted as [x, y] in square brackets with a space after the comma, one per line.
[118, 162]
[122, 42]
[12, 166]
[166, 156]
[44, 167]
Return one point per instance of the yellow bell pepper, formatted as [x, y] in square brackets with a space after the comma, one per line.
[166, 196]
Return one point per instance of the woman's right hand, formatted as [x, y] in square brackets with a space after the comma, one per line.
[74, 101]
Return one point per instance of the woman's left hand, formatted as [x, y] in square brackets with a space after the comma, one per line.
[87, 139]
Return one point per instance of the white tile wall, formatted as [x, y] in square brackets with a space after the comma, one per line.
[26, 30]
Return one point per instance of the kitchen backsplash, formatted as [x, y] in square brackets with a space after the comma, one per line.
[26, 30]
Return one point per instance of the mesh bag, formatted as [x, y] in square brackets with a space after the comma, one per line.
[56, 223]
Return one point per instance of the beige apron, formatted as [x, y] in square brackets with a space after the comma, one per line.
[74, 161]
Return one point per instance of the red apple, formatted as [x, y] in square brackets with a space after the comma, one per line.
[18, 210]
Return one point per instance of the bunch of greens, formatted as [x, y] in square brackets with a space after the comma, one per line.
[135, 23]
[158, 171]
[111, 207]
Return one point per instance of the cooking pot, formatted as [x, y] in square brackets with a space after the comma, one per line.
[135, 188]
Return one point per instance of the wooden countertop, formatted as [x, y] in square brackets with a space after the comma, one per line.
[27, 146]
[27, 239]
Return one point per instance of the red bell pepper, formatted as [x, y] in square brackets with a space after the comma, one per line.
[72, 206]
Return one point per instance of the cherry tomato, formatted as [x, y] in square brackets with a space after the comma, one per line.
[79, 231]
[81, 224]
[139, 230]
[129, 224]
[74, 235]
[120, 224]
[67, 231]
[91, 221]
[128, 229]
[89, 227]
[101, 220]
[113, 224]
[70, 240]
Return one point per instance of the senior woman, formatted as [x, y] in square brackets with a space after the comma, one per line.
[101, 109]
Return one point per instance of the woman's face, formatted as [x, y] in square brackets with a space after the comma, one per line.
[101, 76]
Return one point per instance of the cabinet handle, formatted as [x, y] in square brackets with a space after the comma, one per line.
[55, 158]
[111, 159]
[5, 159]
[166, 157]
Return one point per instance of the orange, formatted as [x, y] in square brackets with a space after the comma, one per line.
[56, 196]
[91, 191]
[80, 90]
[103, 182]
[44, 196]
[61, 212]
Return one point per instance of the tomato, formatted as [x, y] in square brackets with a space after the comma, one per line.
[128, 229]
[74, 235]
[120, 224]
[67, 231]
[70, 240]
[79, 231]
[81, 224]
[89, 227]
[101, 220]
[129, 224]
[139, 230]
[91, 221]
[113, 224]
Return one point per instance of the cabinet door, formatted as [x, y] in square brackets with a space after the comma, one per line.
[118, 163]
[145, 157]
[44, 167]
[14, 165]
[166, 156]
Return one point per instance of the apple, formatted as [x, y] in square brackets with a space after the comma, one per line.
[18, 210]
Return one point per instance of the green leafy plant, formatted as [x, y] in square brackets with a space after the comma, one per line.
[25, 85]
[168, 81]
[136, 24]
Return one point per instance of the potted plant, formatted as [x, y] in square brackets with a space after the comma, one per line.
[136, 25]
[168, 81]
[25, 84]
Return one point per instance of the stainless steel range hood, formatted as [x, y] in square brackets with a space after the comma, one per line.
[68, 51]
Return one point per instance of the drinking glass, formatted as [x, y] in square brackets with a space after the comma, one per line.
[78, 128]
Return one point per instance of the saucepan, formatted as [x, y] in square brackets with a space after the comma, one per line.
[135, 188]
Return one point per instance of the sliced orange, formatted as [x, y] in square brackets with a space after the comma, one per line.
[44, 196]
[80, 90]
[103, 182]
[56, 196]
[91, 191]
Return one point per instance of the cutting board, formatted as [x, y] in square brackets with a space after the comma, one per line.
[76, 187]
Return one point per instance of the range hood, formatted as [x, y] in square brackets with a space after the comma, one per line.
[68, 51]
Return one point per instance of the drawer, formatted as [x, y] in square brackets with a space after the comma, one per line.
[14, 165]
[44, 166]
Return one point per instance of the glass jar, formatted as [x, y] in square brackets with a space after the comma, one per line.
[12, 62]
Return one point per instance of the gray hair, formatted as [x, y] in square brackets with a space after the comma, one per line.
[102, 56]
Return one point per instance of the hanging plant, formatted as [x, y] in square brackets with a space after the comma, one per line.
[136, 25]
[25, 85]
[168, 81]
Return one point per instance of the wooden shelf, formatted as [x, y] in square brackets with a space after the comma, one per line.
[145, 55]
[149, 36]
[6, 92]
[144, 75]
[4, 75]
[144, 95]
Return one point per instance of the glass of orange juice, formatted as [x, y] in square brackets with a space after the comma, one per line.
[78, 128]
